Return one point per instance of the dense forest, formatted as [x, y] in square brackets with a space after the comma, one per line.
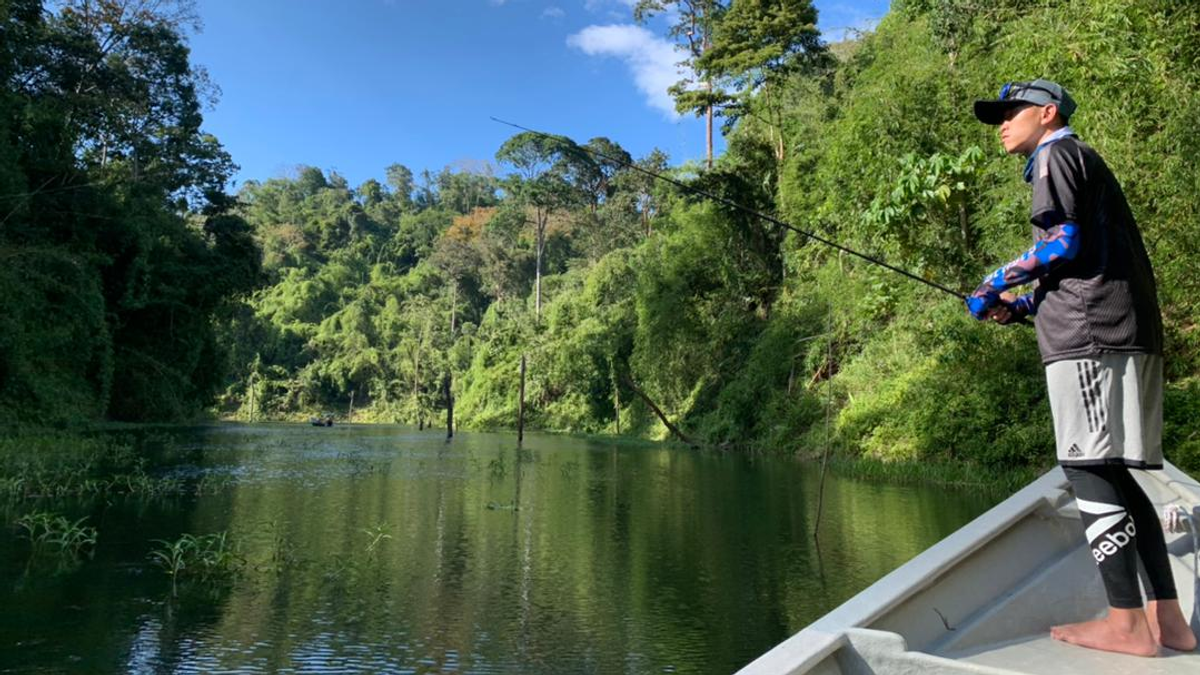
[138, 288]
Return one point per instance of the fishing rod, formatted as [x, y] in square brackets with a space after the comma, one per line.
[745, 209]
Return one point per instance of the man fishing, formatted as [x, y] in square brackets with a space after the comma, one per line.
[1099, 331]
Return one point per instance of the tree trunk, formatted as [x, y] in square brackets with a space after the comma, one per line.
[453, 307]
[671, 427]
[521, 405]
[776, 125]
[541, 246]
[447, 386]
[709, 131]
[350, 413]
[708, 113]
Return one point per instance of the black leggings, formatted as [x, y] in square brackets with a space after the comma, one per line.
[1122, 527]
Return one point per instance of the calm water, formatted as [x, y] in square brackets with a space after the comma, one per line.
[570, 556]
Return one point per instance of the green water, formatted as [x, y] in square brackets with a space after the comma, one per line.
[372, 549]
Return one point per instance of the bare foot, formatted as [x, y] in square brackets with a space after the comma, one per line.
[1168, 625]
[1124, 630]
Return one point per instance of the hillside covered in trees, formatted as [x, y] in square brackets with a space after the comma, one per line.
[140, 290]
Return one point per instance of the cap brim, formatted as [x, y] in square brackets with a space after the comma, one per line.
[992, 112]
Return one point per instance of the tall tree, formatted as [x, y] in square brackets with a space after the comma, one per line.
[592, 171]
[466, 190]
[644, 186]
[696, 22]
[540, 163]
[756, 46]
[400, 178]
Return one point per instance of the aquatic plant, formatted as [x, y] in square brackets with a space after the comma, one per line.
[205, 558]
[569, 470]
[53, 532]
[340, 565]
[377, 534]
[212, 484]
[497, 468]
[64, 465]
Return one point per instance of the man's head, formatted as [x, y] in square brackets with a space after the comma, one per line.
[1026, 112]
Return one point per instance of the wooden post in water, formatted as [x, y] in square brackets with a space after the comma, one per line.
[251, 397]
[617, 397]
[612, 372]
[350, 414]
[521, 406]
[449, 405]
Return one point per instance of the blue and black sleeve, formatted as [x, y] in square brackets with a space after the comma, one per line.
[1043, 258]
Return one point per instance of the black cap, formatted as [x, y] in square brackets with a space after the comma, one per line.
[1013, 94]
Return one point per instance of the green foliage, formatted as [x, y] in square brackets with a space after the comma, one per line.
[1181, 427]
[117, 246]
[930, 388]
[757, 46]
[925, 219]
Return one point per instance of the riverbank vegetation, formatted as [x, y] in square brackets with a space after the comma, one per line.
[140, 290]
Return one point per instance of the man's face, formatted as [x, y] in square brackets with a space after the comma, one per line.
[1022, 128]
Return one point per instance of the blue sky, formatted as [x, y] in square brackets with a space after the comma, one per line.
[356, 85]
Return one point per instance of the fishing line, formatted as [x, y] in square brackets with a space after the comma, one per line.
[745, 209]
[828, 409]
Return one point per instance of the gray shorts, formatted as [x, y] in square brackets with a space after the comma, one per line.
[1108, 410]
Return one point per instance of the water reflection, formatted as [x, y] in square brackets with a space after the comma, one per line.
[377, 549]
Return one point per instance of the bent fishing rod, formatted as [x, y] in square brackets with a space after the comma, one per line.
[744, 209]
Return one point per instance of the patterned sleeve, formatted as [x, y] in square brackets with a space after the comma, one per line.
[1061, 247]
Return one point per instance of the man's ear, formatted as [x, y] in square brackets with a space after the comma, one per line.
[1049, 116]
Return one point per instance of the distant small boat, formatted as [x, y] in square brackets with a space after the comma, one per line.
[325, 420]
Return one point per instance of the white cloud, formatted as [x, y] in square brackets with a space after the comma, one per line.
[553, 12]
[650, 59]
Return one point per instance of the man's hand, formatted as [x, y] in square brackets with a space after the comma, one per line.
[1004, 313]
[982, 302]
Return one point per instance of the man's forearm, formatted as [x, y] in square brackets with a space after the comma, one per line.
[1037, 262]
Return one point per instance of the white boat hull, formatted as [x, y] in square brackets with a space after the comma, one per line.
[983, 599]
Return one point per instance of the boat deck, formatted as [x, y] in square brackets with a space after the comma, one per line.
[1043, 656]
[983, 600]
